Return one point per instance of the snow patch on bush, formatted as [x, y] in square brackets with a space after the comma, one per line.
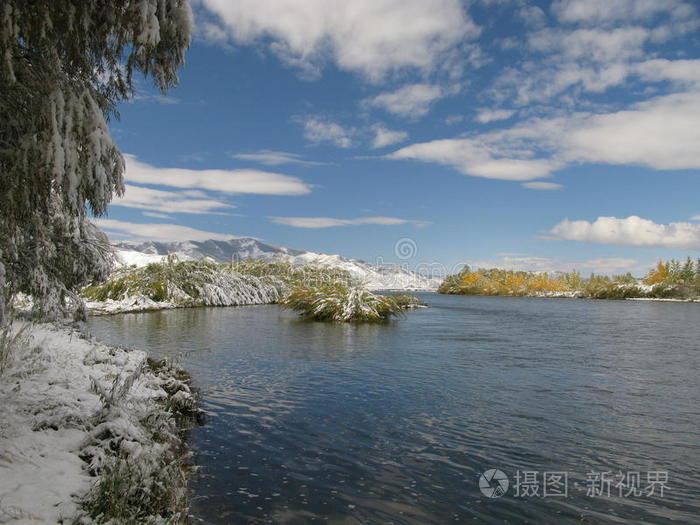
[75, 414]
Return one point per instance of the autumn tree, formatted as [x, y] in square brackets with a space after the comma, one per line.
[64, 67]
[658, 275]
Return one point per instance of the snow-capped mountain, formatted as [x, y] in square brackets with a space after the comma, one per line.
[376, 277]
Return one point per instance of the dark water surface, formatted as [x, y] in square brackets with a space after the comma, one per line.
[331, 423]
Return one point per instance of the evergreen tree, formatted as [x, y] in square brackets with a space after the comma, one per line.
[688, 271]
[64, 65]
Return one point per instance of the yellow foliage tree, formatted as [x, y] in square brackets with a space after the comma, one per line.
[659, 274]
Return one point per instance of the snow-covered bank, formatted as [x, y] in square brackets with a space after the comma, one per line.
[664, 300]
[126, 305]
[74, 412]
[178, 284]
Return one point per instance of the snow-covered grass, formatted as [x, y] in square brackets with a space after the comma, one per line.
[174, 283]
[341, 302]
[11, 341]
[89, 432]
[318, 292]
[295, 275]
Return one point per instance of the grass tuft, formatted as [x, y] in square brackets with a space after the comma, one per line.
[12, 341]
[137, 449]
[341, 302]
[187, 283]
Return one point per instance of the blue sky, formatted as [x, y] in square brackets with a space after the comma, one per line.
[513, 133]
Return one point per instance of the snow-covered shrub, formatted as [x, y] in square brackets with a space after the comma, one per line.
[136, 451]
[12, 339]
[294, 275]
[341, 302]
[187, 283]
[92, 433]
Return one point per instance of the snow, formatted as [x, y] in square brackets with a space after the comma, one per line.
[374, 276]
[663, 299]
[225, 290]
[198, 284]
[137, 303]
[50, 394]
[139, 259]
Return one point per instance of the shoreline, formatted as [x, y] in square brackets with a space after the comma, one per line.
[664, 300]
[80, 418]
[143, 305]
[572, 296]
[139, 304]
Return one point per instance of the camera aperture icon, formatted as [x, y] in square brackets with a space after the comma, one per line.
[493, 483]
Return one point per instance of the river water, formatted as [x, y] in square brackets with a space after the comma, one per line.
[588, 408]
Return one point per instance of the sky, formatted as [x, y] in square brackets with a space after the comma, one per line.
[521, 134]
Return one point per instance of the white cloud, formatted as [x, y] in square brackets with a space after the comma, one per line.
[453, 119]
[157, 232]
[607, 11]
[225, 181]
[542, 185]
[632, 231]
[662, 133]
[549, 265]
[155, 97]
[413, 100]
[533, 16]
[372, 37]
[595, 45]
[329, 222]
[567, 63]
[168, 201]
[319, 130]
[486, 115]
[155, 215]
[385, 137]
[478, 158]
[685, 73]
[275, 158]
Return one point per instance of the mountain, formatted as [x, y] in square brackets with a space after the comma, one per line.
[375, 277]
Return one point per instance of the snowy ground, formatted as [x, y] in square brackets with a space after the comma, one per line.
[129, 304]
[134, 258]
[661, 299]
[60, 393]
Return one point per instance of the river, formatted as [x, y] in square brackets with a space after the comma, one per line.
[589, 409]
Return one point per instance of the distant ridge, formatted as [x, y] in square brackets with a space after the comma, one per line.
[376, 277]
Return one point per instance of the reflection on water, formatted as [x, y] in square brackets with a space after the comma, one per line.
[343, 423]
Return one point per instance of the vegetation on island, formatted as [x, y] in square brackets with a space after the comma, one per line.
[340, 301]
[407, 302]
[316, 292]
[291, 275]
[187, 283]
[668, 280]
